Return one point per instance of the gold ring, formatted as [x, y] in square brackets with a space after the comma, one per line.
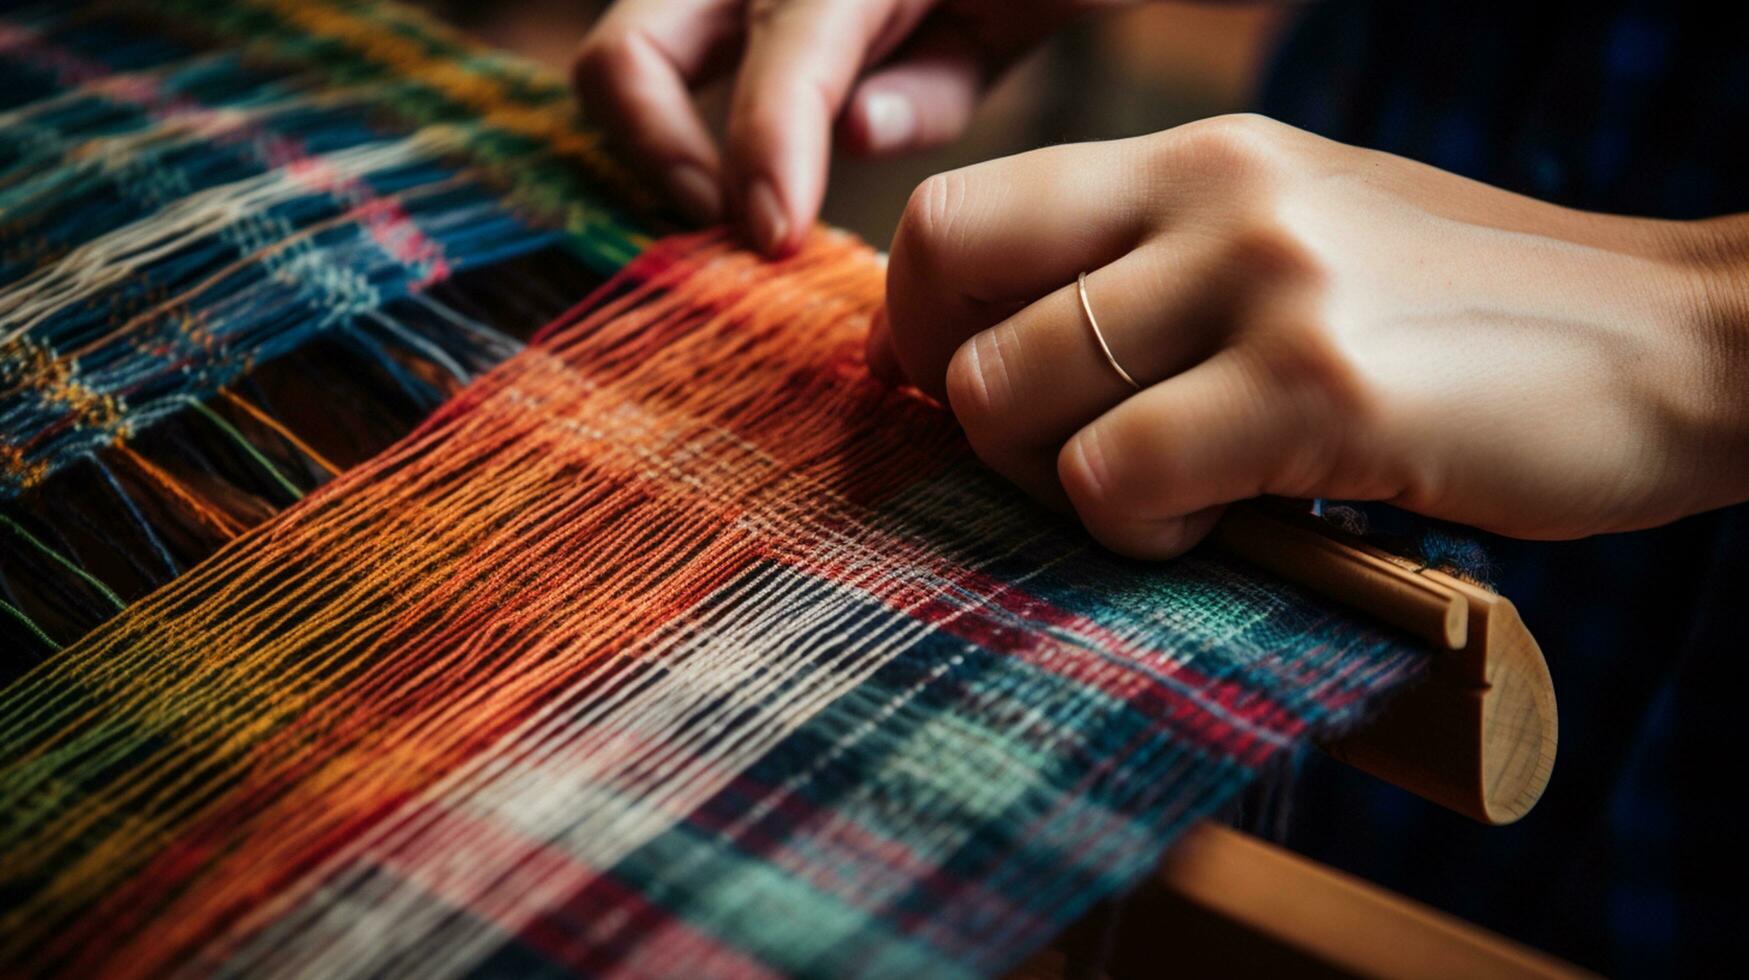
[1093, 321]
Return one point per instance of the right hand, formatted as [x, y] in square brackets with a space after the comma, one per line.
[1309, 319]
[888, 75]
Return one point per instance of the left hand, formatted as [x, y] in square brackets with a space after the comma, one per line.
[1309, 319]
[886, 76]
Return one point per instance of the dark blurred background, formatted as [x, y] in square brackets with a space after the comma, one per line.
[1132, 71]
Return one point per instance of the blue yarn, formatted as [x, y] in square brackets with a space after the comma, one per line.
[338, 276]
[139, 520]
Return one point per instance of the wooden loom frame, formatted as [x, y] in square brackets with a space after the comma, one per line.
[1478, 736]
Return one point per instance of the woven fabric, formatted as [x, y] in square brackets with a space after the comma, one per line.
[674, 646]
[195, 189]
[190, 192]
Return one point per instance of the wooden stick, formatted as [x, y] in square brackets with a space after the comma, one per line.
[1224, 904]
[1479, 735]
[1286, 909]
[1317, 557]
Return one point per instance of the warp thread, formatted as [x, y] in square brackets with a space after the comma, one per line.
[173, 216]
[174, 242]
[135, 514]
[673, 646]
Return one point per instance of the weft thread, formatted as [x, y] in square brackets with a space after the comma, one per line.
[673, 646]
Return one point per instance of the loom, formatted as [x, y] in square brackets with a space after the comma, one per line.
[419, 559]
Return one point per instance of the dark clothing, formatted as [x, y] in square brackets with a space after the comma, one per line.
[1633, 862]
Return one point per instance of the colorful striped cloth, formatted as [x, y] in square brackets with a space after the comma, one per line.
[673, 645]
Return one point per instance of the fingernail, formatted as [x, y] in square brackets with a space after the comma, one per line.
[891, 120]
[883, 363]
[767, 222]
[696, 191]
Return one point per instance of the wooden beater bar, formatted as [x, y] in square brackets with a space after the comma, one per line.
[1478, 736]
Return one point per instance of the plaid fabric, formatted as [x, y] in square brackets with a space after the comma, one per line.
[175, 213]
[193, 189]
[674, 646]
[1629, 863]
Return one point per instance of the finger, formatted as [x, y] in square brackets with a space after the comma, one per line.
[926, 95]
[878, 352]
[1023, 387]
[1220, 432]
[801, 58]
[923, 99]
[636, 68]
[977, 245]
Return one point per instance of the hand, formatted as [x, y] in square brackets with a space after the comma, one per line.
[1309, 319]
[892, 75]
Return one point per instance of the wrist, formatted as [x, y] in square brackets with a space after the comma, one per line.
[1712, 259]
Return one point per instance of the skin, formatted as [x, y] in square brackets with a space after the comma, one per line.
[1305, 318]
[880, 76]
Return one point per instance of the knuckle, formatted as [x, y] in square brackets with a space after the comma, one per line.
[1242, 131]
[968, 390]
[1099, 496]
[927, 225]
[980, 391]
[1085, 469]
[603, 60]
[1238, 144]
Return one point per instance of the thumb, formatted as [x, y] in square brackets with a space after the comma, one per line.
[923, 99]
